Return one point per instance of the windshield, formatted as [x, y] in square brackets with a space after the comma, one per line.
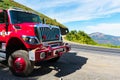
[21, 17]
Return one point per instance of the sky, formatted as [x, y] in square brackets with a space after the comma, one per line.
[86, 15]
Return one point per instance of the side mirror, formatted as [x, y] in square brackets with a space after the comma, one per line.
[44, 20]
[7, 24]
[6, 18]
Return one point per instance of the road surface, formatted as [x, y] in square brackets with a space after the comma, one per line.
[80, 63]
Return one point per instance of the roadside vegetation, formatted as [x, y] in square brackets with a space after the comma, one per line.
[80, 37]
[83, 38]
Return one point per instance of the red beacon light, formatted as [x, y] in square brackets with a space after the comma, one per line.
[57, 36]
[44, 37]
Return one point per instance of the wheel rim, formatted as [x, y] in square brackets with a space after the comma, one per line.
[19, 64]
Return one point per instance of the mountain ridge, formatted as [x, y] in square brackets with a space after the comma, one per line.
[105, 38]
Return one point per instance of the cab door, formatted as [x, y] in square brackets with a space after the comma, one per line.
[3, 27]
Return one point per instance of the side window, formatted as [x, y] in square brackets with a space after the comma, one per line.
[2, 17]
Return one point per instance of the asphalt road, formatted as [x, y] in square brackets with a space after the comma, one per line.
[81, 63]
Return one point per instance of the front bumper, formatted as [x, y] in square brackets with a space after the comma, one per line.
[48, 52]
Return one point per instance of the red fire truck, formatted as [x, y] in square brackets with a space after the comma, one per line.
[25, 40]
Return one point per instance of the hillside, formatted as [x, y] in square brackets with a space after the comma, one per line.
[105, 39]
[5, 4]
[80, 37]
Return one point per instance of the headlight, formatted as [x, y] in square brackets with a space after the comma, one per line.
[42, 55]
[30, 39]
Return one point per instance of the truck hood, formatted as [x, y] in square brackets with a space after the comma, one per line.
[28, 25]
[29, 28]
[25, 28]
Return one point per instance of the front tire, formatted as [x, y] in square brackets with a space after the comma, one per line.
[19, 63]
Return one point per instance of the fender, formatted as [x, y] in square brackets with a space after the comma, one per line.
[14, 39]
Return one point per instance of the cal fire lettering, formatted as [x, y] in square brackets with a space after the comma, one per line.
[3, 33]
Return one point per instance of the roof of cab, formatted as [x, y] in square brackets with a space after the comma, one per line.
[19, 9]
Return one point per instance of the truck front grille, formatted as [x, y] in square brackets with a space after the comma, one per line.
[51, 34]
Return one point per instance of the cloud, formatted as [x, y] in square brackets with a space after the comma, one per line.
[44, 4]
[88, 10]
[112, 29]
[74, 10]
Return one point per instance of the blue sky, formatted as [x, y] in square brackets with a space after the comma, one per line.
[86, 15]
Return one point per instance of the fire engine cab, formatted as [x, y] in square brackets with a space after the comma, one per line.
[25, 40]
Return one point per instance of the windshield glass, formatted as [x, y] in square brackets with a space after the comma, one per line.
[21, 17]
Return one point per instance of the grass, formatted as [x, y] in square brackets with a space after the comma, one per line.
[97, 44]
[108, 45]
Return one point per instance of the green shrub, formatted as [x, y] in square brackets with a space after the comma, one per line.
[80, 37]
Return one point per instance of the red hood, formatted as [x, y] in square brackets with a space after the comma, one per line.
[24, 25]
[26, 28]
